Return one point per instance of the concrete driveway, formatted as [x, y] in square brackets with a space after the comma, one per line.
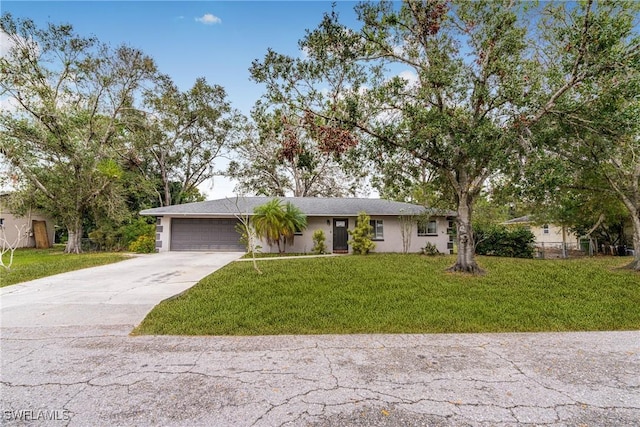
[115, 294]
[67, 360]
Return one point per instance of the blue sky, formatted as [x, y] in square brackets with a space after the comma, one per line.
[217, 40]
[188, 39]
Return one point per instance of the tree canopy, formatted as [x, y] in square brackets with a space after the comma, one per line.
[66, 132]
[458, 87]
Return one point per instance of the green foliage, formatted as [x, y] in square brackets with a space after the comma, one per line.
[474, 94]
[277, 223]
[319, 246]
[109, 237]
[137, 228]
[394, 293]
[361, 243]
[430, 250]
[143, 245]
[279, 157]
[182, 133]
[498, 240]
[66, 138]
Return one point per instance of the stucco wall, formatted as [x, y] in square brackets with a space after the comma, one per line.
[10, 231]
[554, 236]
[163, 233]
[392, 241]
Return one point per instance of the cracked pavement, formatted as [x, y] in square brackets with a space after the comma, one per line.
[95, 374]
[102, 376]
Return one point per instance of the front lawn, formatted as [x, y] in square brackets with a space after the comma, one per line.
[30, 264]
[403, 294]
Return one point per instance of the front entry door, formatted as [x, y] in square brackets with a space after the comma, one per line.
[340, 235]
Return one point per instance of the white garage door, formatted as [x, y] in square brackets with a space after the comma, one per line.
[205, 234]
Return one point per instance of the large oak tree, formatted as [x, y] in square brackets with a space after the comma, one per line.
[183, 133]
[278, 157]
[66, 130]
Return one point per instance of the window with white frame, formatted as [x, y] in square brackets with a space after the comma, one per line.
[545, 229]
[377, 229]
[427, 228]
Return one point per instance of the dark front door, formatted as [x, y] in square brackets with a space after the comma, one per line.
[340, 235]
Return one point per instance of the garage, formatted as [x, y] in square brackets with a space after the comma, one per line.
[205, 234]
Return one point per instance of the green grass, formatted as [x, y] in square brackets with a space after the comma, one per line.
[29, 264]
[403, 294]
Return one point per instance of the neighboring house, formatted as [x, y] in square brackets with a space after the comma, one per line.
[210, 225]
[26, 227]
[547, 236]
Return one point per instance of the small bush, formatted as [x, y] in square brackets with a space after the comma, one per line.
[143, 245]
[361, 235]
[319, 247]
[109, 238]
[500, 241]
[430, 249]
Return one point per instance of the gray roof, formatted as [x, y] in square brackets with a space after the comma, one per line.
[520, 220]
[311, 206]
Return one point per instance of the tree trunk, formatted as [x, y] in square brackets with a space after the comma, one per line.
[466, 262]
[635, 220]
[74, 244]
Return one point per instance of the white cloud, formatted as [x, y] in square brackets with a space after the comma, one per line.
[398, 50]
[410, 77]
[5, 44]
[209, 19]
[9, 104]
[8, 42]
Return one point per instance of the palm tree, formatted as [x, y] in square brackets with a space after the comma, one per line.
[294, 221]
[278, 224]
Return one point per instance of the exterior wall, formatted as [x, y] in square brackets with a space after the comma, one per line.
[393, 237]
[163, 233]
[303, 243]
[553, 238]
[10, 222]
[392, 241]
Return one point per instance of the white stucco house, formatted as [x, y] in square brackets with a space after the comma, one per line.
[210, 225]
[548, 236]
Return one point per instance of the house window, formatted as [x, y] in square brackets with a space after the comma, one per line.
[1, 222]
[427, 228]
[297, 231]
[377, 232]
[545, 229]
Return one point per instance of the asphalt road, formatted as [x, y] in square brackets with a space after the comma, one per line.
[87, 370]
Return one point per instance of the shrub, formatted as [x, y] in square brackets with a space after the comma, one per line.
[499, 240]
[361, 235]
[143, 245]
[109, 238]
[319, 247]
[139, 227]
[430, 249]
